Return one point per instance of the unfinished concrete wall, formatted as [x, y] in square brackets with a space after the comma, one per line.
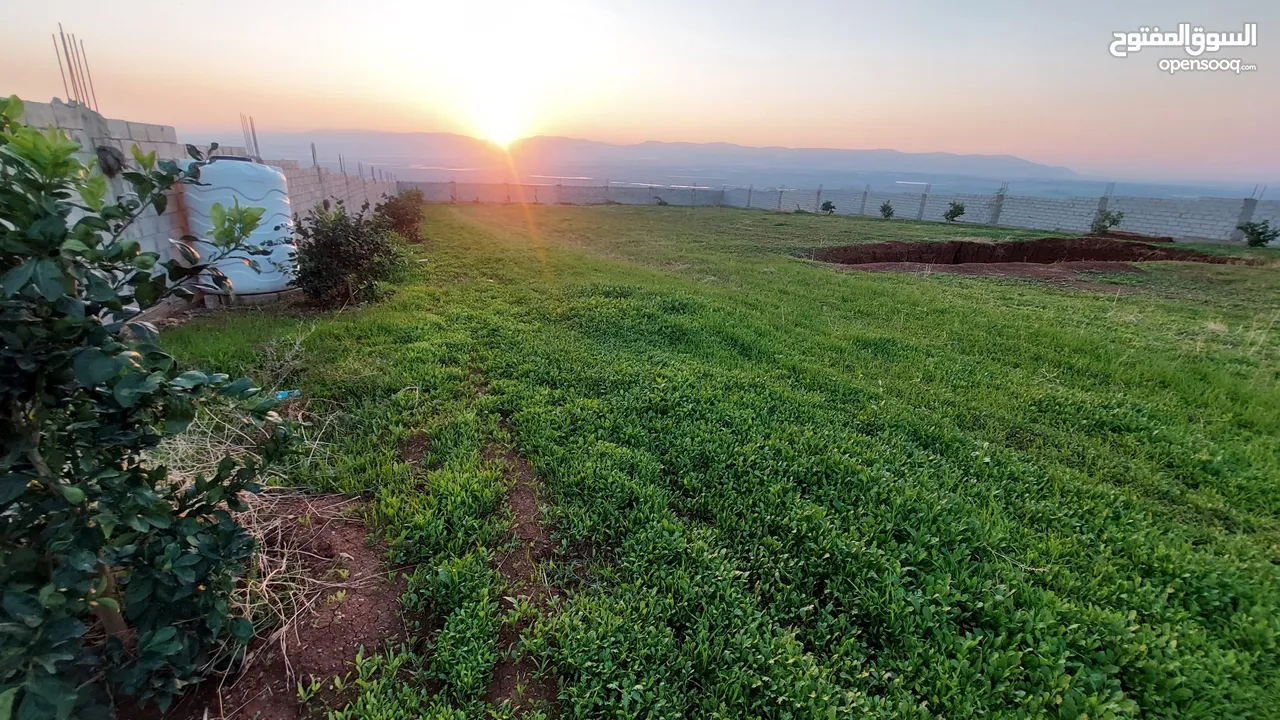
[1268, 211]
[310, 186]
[1182, 218]
[1212, 218]
[1040, 213]
[307, 186]
[91, 131]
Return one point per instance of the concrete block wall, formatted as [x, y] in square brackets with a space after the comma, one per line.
[631, 195]
[1058, 214]
[1269, 211]
[581, 195]
[1187, 219]
[484, 192]
[708, 197]
[1211, 218]
[847, 202]
[977, 208]
[309, 187]
[905, 205]
[91, 131]
[537, 194]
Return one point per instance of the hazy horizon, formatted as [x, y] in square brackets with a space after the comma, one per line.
[990, 78]
[328, 153]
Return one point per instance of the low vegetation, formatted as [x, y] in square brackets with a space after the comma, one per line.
[116, 578]
[402, 213]
[886, 210]
[954, 211]
[1259, 234]
[346, 257]
[828, 207]
[1104, 221]
[782, 490]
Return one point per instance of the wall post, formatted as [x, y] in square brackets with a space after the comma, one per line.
[1246, 215]
[924, 197]
[997, 204]
[1106, 197]
[749, 189]
[862, 209]
[319, 176]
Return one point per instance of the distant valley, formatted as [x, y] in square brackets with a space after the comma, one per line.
[552, 160]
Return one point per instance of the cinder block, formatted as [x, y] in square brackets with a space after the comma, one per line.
[143, 146]
[82, 138]
[155, 133]
[137, 132]
[118, 129]
[67, 116]
[38, 114]
[168, 134]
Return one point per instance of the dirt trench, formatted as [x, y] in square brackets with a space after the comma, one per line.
[513, 679]
[1045, 259]
[1043, 251]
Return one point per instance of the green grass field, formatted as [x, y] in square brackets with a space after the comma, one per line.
[779, 489]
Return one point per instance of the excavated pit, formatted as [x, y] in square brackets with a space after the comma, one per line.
[1044, 258]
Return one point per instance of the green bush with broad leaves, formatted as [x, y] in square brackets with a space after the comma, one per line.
[115, 579]
[954, 211]
[1104, 221]
[344, 257]
[402, 213]
[1258, 234]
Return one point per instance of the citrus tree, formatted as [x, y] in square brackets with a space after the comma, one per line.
[114, 579]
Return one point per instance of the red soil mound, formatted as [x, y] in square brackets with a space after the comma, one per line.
[1044, 251]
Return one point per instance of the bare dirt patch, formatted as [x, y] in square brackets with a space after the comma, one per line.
[1040, 271]
[348, 602]
[513, 679]
[414, 448]
[1044, 258]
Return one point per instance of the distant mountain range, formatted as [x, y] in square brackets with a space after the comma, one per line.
[551, 160]
[430, 156]
[557, 150]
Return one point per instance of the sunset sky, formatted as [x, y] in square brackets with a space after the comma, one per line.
[997, 77]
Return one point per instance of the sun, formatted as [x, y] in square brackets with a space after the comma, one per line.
[501, 126]
[498, 117]
[500, 133]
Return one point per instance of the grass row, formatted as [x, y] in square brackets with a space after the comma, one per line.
[817, 493]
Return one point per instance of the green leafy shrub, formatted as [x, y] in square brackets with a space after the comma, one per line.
[395, 685]
[828, 207]
[90, 534]
[954, 211]
[402, 213]
[886, 210]
[1104, 221]
[1259, 234]
[343, 257]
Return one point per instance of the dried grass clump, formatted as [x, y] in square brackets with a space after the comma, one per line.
[286, 580]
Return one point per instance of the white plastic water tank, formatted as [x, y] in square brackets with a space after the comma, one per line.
[226, 180]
